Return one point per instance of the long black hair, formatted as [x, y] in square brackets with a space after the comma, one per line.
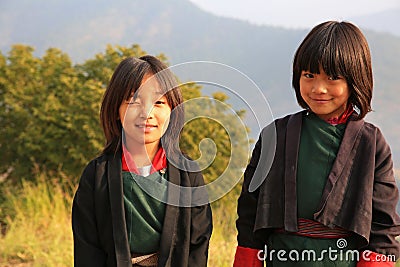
[124, 82]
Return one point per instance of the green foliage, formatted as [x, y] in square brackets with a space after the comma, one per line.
[49, 111]
[214, 128]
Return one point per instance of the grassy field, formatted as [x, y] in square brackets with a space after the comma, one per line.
[38, 229]
[39, 233]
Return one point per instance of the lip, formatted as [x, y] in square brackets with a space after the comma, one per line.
[146, 127]
[320, 101]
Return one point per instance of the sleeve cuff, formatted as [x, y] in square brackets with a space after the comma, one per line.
[373, 259]
[247, 257]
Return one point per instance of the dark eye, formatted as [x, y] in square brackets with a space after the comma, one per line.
[133, 101]
[161, 101]
[334, 78]
[308, 75]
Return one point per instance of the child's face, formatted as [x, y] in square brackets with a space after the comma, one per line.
[325, 96]
[145, 117]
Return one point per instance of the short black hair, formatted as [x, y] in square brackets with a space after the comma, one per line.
[340, 49]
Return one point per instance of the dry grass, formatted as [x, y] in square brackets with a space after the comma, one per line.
[223, 240]
[38, 226]
[38, 218]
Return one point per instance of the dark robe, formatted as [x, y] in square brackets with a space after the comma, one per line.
[99, 227]
[360, 194]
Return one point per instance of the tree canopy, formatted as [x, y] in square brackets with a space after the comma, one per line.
[49, 114]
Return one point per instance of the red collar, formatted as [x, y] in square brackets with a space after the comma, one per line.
[159, 161]
[342, 118]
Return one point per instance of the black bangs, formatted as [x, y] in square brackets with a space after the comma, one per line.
[134, 78]
[340, 49]
[166, 80]
[325, 53]
[164, 76]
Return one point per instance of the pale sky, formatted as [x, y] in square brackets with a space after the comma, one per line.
[292, 13]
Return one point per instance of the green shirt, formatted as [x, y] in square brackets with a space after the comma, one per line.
[319, 145]
[144, 214]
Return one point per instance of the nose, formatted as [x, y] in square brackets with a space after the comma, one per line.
[319, 87]
[147, 110]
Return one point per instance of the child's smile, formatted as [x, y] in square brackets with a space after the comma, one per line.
[326, 96]
[145, 116]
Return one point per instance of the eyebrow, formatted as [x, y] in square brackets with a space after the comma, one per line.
[159, 93]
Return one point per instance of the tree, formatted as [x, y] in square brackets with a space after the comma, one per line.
[49, 112]
[216, 137]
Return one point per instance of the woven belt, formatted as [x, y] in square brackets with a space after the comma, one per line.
[316, 229]
[149, 260]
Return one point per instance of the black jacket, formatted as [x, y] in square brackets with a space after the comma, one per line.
[360, 194]
[99, 228]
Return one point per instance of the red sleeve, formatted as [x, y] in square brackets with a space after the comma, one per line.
[373, 259]
[247, 257]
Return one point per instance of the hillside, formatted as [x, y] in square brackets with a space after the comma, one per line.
[381, 21]
[184, 33]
